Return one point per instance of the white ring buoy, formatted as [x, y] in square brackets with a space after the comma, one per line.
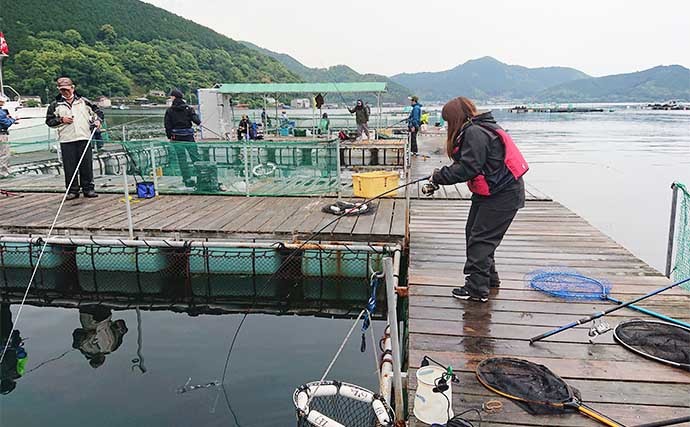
[303, 395]
[264, 169]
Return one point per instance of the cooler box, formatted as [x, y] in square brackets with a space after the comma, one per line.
[372, 184]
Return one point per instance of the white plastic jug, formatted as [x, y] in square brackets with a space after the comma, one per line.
[429, 406]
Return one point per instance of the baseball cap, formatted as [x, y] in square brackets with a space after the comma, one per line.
[64, 82]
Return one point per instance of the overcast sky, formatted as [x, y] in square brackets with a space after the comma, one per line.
[392, 36]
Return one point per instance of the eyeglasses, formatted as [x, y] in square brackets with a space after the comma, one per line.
[63, 88]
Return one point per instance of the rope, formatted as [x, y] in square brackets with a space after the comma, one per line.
[337, 354]
[45, 243]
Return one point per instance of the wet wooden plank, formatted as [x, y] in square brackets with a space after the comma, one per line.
[463, 333]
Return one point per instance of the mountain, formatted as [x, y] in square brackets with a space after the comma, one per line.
[338, 73]
[655, 84]
[485, 79]
[122, 47]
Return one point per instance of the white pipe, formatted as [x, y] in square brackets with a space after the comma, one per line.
[130, 223]
[393, 321]
[197, 244]
[386, 367]
[153, 167]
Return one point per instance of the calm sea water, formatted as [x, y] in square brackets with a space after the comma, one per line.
[614, 169]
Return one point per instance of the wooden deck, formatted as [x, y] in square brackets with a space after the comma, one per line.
[283, 218]
[626, 387]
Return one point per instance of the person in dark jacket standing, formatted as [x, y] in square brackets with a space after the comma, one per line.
[76, 119]
[178, 128]
[361, 118]
[487, 159]
[414, 123]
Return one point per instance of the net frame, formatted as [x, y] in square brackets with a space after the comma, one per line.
[621, 338]
[560, 405]
[681, 262]
[568, 283]
[311, 399]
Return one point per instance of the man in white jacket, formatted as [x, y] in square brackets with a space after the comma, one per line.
[75, 118]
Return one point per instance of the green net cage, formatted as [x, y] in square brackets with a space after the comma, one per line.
[254, 168]
[681, 264]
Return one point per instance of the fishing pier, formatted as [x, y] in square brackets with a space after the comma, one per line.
[620, 384]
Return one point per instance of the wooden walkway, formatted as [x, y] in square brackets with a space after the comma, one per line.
[628, 388]
[268, 218]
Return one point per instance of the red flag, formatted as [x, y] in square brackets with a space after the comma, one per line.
[4, 49]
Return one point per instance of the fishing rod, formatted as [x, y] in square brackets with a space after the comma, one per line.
[604, 313]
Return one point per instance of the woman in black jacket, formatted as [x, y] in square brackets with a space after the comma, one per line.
[486, 158]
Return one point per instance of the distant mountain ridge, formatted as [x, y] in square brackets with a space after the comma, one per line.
[339, 73]
[487, 78]
[655, 84]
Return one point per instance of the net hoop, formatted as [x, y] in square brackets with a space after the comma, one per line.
[566, 283]
[619, 340]
[264, 169]
[302, 396]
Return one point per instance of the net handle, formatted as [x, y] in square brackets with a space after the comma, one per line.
[596, 415]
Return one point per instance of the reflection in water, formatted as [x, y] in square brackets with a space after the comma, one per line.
[188, 324]
[99, 335]
[13, 354]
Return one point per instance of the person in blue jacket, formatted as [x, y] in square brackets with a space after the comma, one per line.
[414, 122]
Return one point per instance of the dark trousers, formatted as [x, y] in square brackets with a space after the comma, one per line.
[413, 140]
[484, 231]
[187, 146]
[71, 153]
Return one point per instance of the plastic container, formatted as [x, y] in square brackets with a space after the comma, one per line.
[25, 255]
[372, 184]
[105, 258]
[241, 261]
[429, 406]
[340, 264]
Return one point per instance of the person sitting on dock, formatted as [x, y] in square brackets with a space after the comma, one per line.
[243, 128]
[324, 124]
[178, 128]
[487, 159]
[361, 118]
[76, 119]
[5, 122]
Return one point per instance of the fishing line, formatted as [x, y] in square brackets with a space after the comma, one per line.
[288, 258]
[45, 243]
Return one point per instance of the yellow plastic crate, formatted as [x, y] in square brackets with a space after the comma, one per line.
[372, 184]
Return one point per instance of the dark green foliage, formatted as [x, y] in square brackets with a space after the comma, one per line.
[122, 47]
[657, 84]
[485, 79]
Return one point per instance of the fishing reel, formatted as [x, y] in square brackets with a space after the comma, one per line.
[429, 188]
[599, 327]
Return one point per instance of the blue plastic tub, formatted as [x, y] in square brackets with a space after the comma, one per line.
[25, 255]
[120, 258]
[241, 261]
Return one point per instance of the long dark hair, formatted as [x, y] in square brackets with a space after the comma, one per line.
[456, 112]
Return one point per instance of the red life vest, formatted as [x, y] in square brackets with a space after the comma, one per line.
[515, 164]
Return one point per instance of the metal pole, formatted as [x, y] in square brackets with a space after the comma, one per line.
[153, 167]
[395, 341]
[130, 224]
[337, 156]
[406, 173]
[378, 119]
[671, 229]
[2, 86]
[246, 169]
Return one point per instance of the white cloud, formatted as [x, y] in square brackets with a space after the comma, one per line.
[393, 36]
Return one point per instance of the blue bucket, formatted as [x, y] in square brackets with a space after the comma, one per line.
[146, 190]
